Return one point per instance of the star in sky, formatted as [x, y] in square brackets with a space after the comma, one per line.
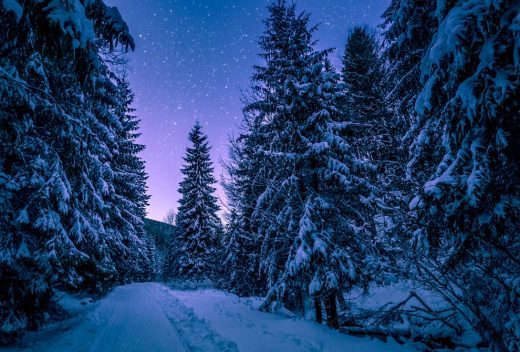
[193, 59]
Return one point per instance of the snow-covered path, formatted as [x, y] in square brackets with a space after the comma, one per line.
[137, 323]
[133, 318]
[151, 317]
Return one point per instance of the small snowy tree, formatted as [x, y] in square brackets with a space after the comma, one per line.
[199, 227]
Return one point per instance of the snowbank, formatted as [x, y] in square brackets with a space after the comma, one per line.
[238, 320]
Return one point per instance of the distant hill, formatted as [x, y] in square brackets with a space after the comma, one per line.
[162, 234]
[160, 231]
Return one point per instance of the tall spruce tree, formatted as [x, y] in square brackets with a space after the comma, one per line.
[312, 213]
[199, 227]
[59, 138]
[465, 157]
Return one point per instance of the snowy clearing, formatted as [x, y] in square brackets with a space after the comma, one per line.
[152, 317]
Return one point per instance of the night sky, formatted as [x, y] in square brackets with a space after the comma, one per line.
[192, 59]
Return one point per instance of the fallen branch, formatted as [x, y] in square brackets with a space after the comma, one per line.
[400, 335]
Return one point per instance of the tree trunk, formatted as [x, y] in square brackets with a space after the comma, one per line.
[332, 312]
[317, 307]
[301, 301]
[293, 300]
[342, 303]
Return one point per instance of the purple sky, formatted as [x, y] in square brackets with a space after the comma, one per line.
[192, 59]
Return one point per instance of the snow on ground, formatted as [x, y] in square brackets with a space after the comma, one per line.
[132, 318]
[238, 320]
[151, 317]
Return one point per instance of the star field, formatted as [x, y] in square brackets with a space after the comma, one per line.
[192, 61]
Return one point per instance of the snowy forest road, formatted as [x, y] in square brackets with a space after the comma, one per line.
[139, 317]
[137, 323]
[150, 317]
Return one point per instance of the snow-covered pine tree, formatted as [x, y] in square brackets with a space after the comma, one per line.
[468, 117]
[58, 137]
[199, 228]
[313, 210]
